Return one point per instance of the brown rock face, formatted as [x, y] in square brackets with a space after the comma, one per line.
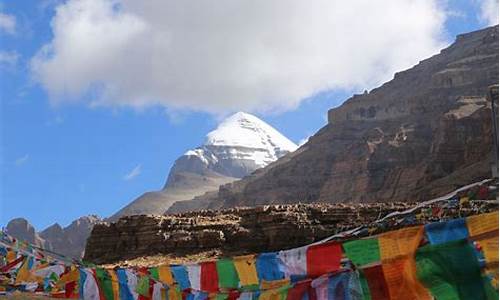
[239, 231]
[422, 134]
[233, 231]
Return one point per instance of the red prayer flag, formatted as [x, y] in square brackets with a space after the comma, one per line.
[323, 258]
[209, 278]
[233, 295]
[376, 282]
[300, 289]
[70, 289]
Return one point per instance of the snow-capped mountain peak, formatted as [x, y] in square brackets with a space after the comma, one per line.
[246, 130]
[240, 144]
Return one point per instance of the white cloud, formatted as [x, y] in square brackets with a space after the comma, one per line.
[7, 23]
[488, 11]
[230, 55]
[133, 173]
[8, 59]
[22, 160]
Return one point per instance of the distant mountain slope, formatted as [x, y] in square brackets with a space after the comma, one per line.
[419, 135]
[69, 241]
[241, 144]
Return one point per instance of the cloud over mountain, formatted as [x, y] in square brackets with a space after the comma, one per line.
[236, 55]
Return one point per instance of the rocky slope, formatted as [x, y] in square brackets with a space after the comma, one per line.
[419, 135]
[240, 144]
[69, 241]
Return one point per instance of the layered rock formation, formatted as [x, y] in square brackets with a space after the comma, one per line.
[69, 241]
[247, 230]
[237, 230]
[238, 146]
[422, 134]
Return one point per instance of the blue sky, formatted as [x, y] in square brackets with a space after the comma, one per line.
[64, 154]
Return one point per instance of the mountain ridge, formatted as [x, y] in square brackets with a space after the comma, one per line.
[69, 241]
[423, 133]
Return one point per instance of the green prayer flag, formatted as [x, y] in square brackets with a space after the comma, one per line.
[105, 283]
[362, 252]
[491, 292]
[154, 273]
[450, 271]
[283, 291]
[228, 277]
[142, 287]
[364, 286]
[221, 296]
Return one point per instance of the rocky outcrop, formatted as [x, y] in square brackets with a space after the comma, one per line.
[232, 231]
[69, 241]
[21, 229]
[424, 133]
[247, 230]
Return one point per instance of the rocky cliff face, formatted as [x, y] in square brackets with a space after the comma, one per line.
[241, 144]
[240, 230]
[230, 232]
[419, 135]
[69, 241]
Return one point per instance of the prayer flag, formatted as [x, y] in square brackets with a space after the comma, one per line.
[194, 273]
[442, 232]
[228, 277]
[181, 276]
[323, 258]
[362, 252]
[294, 262]
[483, 223]
[397, 250]
[450, 271]
[268, 267]
[165, 275]
[105, 284]
[246, 269]
[209, 277]
[125, 293]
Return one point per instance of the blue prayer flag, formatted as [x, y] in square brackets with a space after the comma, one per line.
[443, 232]
[181, 276]
[268, 267]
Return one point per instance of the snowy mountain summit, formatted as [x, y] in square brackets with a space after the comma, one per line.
[240, 144]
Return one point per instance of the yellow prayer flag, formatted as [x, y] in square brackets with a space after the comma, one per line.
[482, 223]
[165, 275]
[273, 294]
[11, 256]
[114, 284]
[267, 285]
[400, 242]
[23, 274]
[174, 293]
[397, 250]
[400, 276]
[490, 249]
[247, 272]
[73, 275]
